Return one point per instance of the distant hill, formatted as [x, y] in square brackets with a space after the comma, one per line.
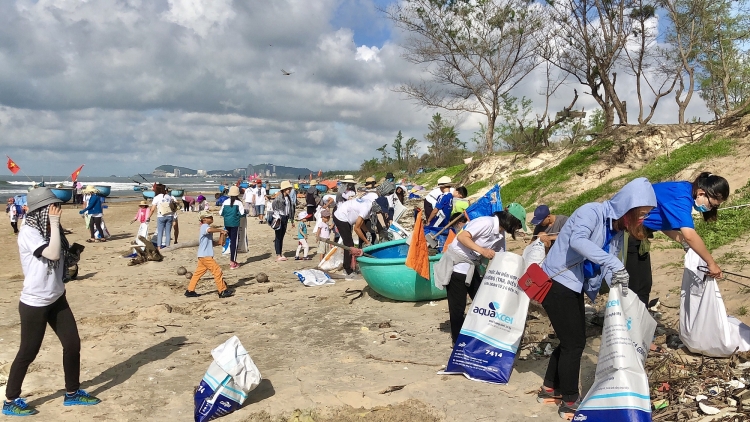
[282, 172]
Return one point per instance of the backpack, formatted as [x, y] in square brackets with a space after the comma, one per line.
[165, 207]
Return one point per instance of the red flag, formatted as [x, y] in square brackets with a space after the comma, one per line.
[75, 174]
[320, 174]
[12, 166]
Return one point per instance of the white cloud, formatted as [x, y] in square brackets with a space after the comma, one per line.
[366, 54]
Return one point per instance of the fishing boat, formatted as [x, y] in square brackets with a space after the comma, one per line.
[321, 188]
[104, 190]
[177, 192]
[273, 188]
[388, 275]
[304, 186]
[244, 185]
[148, 194]
[140, 188]
[63, 194]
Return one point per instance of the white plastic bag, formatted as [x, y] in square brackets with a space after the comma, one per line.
[705, 327]
[489, 339]
[312, 278]
[534, 253]
[224, 387]
[333, 260]
[620, 391]
[398, 231]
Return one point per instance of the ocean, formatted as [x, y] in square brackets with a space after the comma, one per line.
[122, 187]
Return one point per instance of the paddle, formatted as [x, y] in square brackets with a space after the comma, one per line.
[344, 247]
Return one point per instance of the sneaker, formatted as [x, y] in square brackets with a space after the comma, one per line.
[191, 293]
[80, 398]
[548, 396]
[18, 407]
[567, 410]
[226, 293]
[234, 266]
[296, 258]
[351, 277]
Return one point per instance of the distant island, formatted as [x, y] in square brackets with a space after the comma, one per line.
[264, 170]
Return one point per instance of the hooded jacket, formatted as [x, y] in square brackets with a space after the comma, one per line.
[583, 236]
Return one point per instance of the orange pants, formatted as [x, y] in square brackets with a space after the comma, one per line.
[208, 264]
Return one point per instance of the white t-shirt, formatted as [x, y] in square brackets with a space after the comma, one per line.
[327, 198]
[159, 199]
[12, 213]
[434, 194]
[260, 198]
[237, 202]
[249, 196]
[350, 210]
[40, 288]
[348, 195]
[325, 231]
[485, 231]
[370, 196]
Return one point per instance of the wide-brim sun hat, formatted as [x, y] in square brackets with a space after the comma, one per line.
[90, 189]
[302, 215]
[444, 181]
[349, 178]
[205, 214]
[234, 191]
[285, 185]
[40, 197]
[143, 204]
[313, 182]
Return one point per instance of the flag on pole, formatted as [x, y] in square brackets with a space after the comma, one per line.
[418, 257]
[320, 174]
[75, 174]
[12, 166]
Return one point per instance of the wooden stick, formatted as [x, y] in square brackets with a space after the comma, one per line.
[344, 247]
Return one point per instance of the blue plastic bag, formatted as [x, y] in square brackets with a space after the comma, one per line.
[487, 205]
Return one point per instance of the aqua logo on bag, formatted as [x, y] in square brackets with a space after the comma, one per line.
[493, 312]
[580, 417]
[612, 303]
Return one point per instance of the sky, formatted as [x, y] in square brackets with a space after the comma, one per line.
[124, 86]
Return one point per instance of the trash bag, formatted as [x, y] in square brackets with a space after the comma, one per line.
[226, 384]
[312, 278]
[333, 260]
[705, 327]
[534, 253]
[492, 332]
[620, 391]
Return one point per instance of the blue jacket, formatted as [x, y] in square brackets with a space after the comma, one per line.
[94, 206]
[583, 236]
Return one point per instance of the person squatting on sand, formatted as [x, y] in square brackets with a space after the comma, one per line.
[673, 216]
[586, 253]
[458, 268]
[43, 251]
[206, 260]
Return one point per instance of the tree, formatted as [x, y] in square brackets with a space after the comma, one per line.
[386, 158]
[474, 51]
[643, 59]
[443, 143]
[590, 37]
[410, 149]
[398, 148]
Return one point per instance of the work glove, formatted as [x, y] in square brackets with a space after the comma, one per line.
[685, 246]
[81, 212]
[621, 277]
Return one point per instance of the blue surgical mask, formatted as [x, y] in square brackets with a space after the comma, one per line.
[700, 208]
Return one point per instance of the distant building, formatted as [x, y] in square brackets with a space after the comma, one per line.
[202, 173]
[250, 170]
[176, 172]
[268, 173]
[159, 173]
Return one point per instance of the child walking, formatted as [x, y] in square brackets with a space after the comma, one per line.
[303, 218]
[323, 232]
[206, 260]
[142, 217]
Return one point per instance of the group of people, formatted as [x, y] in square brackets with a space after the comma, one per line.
[601, 242]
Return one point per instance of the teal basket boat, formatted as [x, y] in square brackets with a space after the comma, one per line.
[388, 275]
[63, 194]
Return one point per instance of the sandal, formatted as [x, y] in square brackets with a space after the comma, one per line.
[90, 240]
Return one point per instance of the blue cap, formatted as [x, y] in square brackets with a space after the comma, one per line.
[540, 213]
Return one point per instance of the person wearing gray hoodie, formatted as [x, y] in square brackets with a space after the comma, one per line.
[586, 253]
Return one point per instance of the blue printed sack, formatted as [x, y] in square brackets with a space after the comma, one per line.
[492, 332]
[226, 384]
[620, 392]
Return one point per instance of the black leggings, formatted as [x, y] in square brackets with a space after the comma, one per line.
[233, 233]
[14, 224]
[457, 290]
[278, 241]
[34, 322]
[96, 221]
[639, 270]
[345, 231]
[566, 313]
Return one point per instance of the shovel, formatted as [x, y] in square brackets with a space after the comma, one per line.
[344, 247]
[432, 239]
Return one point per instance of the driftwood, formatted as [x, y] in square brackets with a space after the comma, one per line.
[146, 253]
[190, 244]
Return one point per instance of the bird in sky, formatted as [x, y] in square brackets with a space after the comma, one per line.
[286, 73]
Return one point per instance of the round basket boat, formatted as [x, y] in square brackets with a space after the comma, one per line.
[148, 194]
[104, 190]
[177, 193]
[389, 276]
[63, 194]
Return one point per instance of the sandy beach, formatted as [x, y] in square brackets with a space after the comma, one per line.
[145, 346]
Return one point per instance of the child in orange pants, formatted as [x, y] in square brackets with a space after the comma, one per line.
[206, 260]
